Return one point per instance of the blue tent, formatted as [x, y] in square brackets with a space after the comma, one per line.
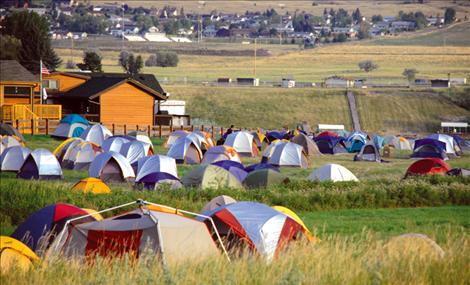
[71, 126]
[425, 148]
[236, 168]
[379, 141]
[330, 144]
[356, 141]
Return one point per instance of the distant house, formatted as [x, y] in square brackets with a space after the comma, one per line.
[248, 81]
[421, 82]
[223, 33]
[403, 26]
[458, 81]
[210, 31]
[110, 98]
[440, 83]
[339, 82]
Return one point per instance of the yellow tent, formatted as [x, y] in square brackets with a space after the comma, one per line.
[14, 253]
[163, 209]
[93, 185]
[64, 144]
[296, 218]
[94, 213]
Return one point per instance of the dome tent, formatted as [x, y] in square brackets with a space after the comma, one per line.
[9, 130]
[154, 180]
[80, 154]
[243, 143]
[93, 185]
[185, 150]
[71, 126]
[111, 167]
[210, 176]
[233, 167]
[429, 148]
[427, 166]
[288, 154]
[156, 163]
[15, 254]
[264, 178]
[40, 164]
[369, 152]
[96, 134]
[13, 158]
[174, 136]
[309, 146]
[133, 150]
[221, 152]
[217, 202]
[332, 172]
[114, 143]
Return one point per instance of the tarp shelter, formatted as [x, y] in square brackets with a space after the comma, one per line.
[173, 137]
[80, 154]
[424, 148]
[40, 164]
[211, 176]
[264, 178]
[93, 185]
[14, 254]
[71, 126]
[111, 167]
[134, 150]
[236, 168]
[13, 158]
[288, 154]
[154, 180]
[96, 134]
[217, 202]
[427, 166]
[294, 216]
[332, 172]
[309, 146]
[243, 143]
[9, 130]
[451, 147]
[259, 227]
[221, 152]
[156, 163]
[330, 144]
[177, 238]
[185, 150]
[114, 143]
[41, 227]
[369, 152]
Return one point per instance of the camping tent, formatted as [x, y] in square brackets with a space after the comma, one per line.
[416, 245]
[236, 168]
[288, 154]
[185, 150]
[276, 135]
[96, 133]
[93, 185]
[111, 167]
[172, 236]
[173, 137]
[80, 154]
[451, 147]
[260, 139]
[60, 150]
[243, 143]
[427, 166]
[156, 163]
[155, 180]
[41, 227]
[221, 152]
[114, 143]
[429, 148]
[356, 141]
[14, 254]
[210, 176]
[134, 150]
[40, 164]
[257, 226]
[332, 172]
[268, 152]
[256, 166]
[369, 152]
[309, 146]
[294, 216]
[330, 144]
[13, 158]
[264, 178]
[208, 141]
[379, 142]
[217, 202]
[8, 130]
[401, 143]
[140, 136]
[71, 126]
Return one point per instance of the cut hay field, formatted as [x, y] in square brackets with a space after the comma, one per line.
[387, 111]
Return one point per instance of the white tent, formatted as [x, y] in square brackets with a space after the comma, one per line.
[288, 154]
[185, 150]
[80, 154]
[133, 151]
[40, 164]
[140, 136]
[156, 163]
[9, 141]
[217, 202]
[401, 143]
[111, 166]
[174, 136]
[451, 146]
[221, 152]
[13, 157]
[96, 134]
[243, 143]
[268, 152]
[114, 144]
[332, 172]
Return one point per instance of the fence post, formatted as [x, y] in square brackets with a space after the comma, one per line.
[160, 130]
[148, 130]
[125, 129]
[136, 128]
[192, 128]
[222, 131]
[212, 131]
[32, 127]
[113, 128]
[202, 128]
[171, 125]
[181, 127]
[47, 126]
[18, 125]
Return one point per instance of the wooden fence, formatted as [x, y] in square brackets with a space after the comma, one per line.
[48, 126]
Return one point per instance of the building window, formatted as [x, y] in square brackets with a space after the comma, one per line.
[50, 84]
[17, 90]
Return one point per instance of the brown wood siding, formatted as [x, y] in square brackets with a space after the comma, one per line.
[65, 82]
[126, 104]
[17, 100]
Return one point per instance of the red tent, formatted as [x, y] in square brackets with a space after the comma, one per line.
[428, 166]
[327, 134]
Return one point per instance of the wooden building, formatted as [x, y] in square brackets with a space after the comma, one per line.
[109, 98]
[17, 84]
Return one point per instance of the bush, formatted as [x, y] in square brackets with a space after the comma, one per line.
[367, 65]
[167, 58]
[151, 60]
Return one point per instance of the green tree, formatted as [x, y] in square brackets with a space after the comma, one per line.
[449, 15]
[92, 61]
[410, 74]
[367, 65]
[377, 18]
[357, 16]
[130, 63]
[9, 47]
[363, 31]
[32, 31]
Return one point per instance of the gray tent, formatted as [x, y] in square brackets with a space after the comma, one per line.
[13, 158]
[40, 164]
[111, 167]
[369, 152]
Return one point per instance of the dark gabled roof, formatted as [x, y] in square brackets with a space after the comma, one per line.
[11, 70]
[101, 82]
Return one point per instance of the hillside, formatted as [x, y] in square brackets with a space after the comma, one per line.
[456, 35]
[394, 111]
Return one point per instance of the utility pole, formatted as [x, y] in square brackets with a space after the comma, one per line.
[122, 27]
[40, 86]
[254, 69]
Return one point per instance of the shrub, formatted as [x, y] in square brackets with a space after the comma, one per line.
[167, 58]
[151, 60]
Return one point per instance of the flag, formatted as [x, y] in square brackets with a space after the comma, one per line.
[44, 70]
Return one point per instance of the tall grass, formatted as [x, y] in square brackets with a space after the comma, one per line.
[335, 260]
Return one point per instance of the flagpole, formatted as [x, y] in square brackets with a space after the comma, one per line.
[40, 81]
